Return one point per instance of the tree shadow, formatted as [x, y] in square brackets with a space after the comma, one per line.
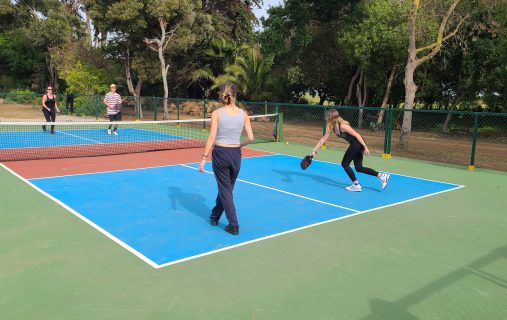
[383, 310]
[192, 202]
[287, 177]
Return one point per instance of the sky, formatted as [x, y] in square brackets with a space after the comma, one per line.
[266, 4]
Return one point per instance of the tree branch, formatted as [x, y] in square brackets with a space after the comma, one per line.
[437, 45]
[171, 34]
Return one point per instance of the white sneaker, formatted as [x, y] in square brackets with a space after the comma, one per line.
[384, 179]
[115, 133]
[354, 188]
[108, 131]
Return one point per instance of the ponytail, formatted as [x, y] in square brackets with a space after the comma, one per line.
[228, 93]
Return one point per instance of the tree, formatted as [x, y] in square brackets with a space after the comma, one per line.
[413, 61]
[175, 20]
[250, 73]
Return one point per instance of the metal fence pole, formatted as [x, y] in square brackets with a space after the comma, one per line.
[155, 108]
[177, 109]
[388, 129]
[471, 167]
[97, 107]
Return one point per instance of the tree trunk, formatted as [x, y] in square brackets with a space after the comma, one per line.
[351, 86]
[136, 92]
[445, 126]
[387, 94]
[410, 86]
[89, 36]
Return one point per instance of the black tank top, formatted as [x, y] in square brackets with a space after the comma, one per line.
[344, 135]
[50, 103]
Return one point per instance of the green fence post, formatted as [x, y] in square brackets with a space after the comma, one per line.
[97, 107]
[324, 125]
[138, 107]
[388, 129]
[177, 109]
[155, 108]
[471, 167]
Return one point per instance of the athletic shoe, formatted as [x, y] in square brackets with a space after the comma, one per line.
[213, 221]
[108, 131]
[384, 179]
[232, 230]
[115, 133]
[354, 188]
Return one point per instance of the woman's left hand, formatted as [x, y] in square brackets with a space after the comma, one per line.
[366, 151]
[201, 165]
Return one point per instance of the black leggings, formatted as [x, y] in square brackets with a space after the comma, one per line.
[355, 152]
[50, 117]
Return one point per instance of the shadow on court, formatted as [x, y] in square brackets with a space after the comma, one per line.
[193, 202]
[470, 300]
[288, 175]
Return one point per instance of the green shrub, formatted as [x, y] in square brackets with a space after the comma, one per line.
[85, 106]
[23, 96]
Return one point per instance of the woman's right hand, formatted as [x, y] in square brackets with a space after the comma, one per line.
[314, 153]
[201, 165]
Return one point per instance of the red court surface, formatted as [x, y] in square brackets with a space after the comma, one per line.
[69, 166]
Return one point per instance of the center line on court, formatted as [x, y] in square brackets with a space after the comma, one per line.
[79, 137]
[282, 191]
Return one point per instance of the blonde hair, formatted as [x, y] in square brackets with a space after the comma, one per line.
[333, 120]
[228, 93]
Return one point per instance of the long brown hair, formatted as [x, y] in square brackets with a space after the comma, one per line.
[228, 93]
[333, 120]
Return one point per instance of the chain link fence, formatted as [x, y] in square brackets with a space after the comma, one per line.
[474, 139]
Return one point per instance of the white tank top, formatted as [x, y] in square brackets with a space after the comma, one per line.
[229, 127]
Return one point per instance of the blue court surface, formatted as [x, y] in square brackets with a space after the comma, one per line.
[162, 214]
[33, 139]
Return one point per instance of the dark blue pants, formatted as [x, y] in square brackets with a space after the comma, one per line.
[226, 166]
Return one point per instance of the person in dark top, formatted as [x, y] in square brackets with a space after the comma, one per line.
[49, 108]
[69, 102]
[342, 129]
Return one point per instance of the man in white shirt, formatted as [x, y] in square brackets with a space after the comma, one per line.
[112, 100]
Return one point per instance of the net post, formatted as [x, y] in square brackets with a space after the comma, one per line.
[471, 167]
[280, 127]
[204, 107]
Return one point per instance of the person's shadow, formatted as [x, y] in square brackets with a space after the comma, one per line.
[287, 177]
[193, 202]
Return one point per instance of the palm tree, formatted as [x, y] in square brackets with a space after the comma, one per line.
[220, 53]
[249, 72]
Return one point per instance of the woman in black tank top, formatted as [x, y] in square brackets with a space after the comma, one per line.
[49, 108]
[354, 152]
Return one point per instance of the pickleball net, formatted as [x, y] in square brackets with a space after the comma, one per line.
[34, 140]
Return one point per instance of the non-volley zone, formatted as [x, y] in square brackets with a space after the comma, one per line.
[161, 214]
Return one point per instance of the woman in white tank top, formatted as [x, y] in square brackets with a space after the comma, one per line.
[227, 124]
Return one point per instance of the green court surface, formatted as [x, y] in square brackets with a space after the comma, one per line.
[441, 257]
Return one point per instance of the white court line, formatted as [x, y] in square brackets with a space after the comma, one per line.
[281, 191]
[339, 164]
[79, 137]
[77, 214]
[299, 229]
